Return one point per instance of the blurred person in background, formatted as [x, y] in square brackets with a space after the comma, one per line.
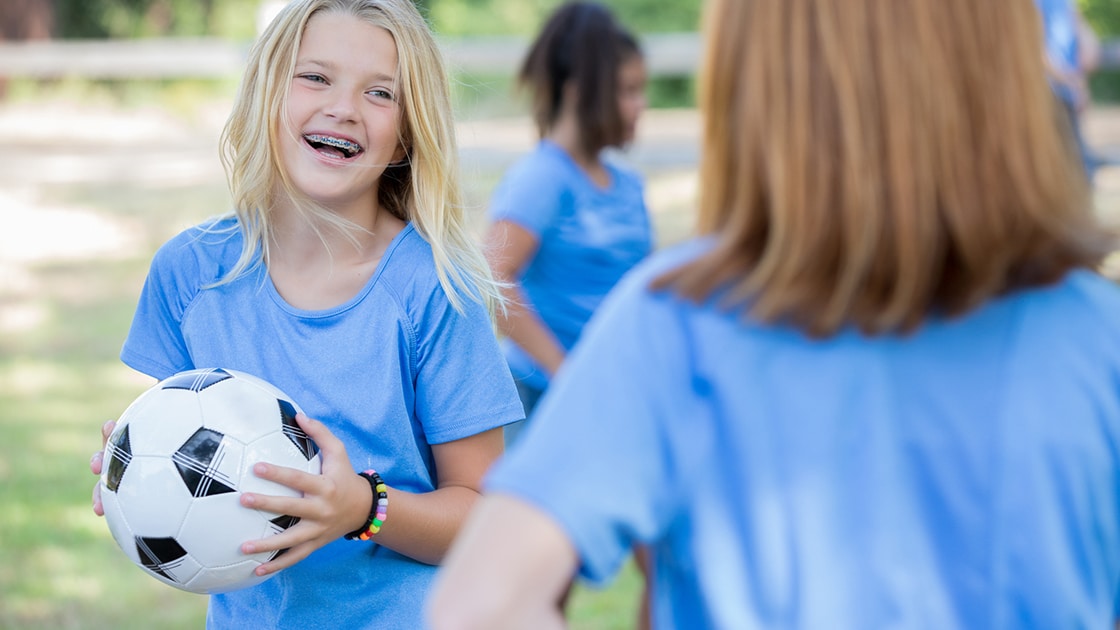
[566, 221]
[879, 390]
[1072, 53]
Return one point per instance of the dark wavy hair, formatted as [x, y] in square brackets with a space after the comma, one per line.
[584, 44]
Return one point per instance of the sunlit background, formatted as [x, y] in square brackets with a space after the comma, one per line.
[109, 117]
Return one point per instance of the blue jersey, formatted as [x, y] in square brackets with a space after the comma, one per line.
[589, 237]
[1061, 35]
[967, 475]
[390, 372]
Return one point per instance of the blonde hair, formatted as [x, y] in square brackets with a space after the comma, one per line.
[876, 162]
[423, 189]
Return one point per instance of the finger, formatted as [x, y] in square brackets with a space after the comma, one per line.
[97, 462]
[98, 508]
[285, 560]
[292, 506]
[300, 480]
[330, 447]
[106, 431]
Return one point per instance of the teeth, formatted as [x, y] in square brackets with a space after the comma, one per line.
[338, 143]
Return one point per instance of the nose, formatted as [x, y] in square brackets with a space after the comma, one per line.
[341, 106]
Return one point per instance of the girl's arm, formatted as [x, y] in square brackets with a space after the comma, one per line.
[508, 569]
[509, 248]
[338, 501]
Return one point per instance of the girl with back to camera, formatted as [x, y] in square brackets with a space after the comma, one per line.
[880, 391]
[567, 222]
[346, 277]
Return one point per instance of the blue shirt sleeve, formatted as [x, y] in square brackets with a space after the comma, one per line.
[155, 344]
[597, 456]
[532, 194]
[463, 384]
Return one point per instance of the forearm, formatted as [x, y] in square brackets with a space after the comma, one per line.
[422, 526]
[508, 569]
[523, 326]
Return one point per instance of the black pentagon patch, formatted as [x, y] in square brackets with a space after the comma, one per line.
[284, 521]
[195, 380]
[198, 460]
[159, 555]
[306, 445]
[119, 451]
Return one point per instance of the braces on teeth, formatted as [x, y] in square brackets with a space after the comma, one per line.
[338, 143]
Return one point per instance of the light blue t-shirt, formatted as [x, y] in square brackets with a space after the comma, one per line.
[1061, 34]
[965, 476]
[589, 238]
[390, 372]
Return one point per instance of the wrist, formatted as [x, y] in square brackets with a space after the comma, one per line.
[379, 507]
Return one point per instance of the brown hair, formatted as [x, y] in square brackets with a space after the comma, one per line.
[581, 43]
[873, 162]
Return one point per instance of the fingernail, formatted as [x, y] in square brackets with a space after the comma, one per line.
[105, 427]
[248, 499]
[260, 468]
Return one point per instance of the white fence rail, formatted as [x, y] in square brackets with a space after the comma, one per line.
[667, 54]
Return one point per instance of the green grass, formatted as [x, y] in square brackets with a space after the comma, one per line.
[60, 379]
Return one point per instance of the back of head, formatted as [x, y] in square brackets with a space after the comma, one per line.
[875, 162]
[581, 46]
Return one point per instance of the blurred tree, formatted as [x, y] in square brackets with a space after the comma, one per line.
[152, 18]
[1104, 15]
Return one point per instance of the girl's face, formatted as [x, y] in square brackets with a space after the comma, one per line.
[343, 110]
[631, 94]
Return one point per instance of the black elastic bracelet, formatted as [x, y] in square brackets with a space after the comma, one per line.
[378, 510]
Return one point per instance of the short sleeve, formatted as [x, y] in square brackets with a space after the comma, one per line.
[532, 194]
[155, 344]
[463, 384]
[596, 456]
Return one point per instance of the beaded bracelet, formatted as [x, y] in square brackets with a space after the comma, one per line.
[378, 512]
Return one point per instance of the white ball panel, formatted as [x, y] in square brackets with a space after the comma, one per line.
[226, 579]
[276, 449]
[216, 526]
[152, 497]
[240, 409]
[118, 526]
[272, 390]
[166, 419]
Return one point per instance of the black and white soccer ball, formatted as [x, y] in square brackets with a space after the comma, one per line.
[176, 464]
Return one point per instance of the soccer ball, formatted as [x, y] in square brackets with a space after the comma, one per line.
[176, 464]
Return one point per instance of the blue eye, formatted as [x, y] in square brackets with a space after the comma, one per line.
[379, 93]
[317, 78]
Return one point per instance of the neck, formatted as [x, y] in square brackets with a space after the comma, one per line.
[565, 134]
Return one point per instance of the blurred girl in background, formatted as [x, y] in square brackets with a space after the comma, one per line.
[566, 221]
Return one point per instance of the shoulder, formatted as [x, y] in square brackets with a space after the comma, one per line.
[409, 273]
[1082, 299]
[204, 251]
[544, 166]
[665, 260]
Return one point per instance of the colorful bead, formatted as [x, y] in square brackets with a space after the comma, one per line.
[378, 512]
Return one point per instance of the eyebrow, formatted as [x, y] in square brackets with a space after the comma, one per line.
[327, 65]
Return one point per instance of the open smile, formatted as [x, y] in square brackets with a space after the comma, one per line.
[330, 146]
